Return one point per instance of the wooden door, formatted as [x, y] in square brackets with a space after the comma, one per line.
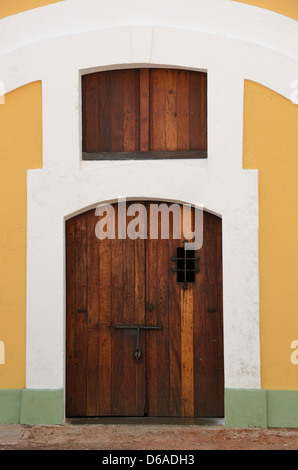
[115, 285]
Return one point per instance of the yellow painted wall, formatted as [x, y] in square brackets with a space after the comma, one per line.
[271, 145]
[284, 7]
[12, 7]
[20, 149]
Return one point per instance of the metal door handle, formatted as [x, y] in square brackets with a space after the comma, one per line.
[138, 353]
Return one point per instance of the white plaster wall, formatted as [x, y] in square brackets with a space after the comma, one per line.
[58, 43]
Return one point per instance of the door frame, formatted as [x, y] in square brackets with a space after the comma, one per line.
[230, 263]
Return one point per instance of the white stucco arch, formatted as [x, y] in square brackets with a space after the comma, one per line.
[80, 36]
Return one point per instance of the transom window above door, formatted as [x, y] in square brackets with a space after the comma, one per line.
[136, 114]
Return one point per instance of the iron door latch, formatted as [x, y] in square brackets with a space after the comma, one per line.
[138, 353]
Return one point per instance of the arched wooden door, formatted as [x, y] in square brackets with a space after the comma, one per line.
[144, 321]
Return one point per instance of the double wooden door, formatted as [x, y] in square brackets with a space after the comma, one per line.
[144, 321]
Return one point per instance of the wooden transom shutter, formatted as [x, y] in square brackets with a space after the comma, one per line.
[144, 114]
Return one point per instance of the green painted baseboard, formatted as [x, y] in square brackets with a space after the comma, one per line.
[244, 408]
[282, 408]
[42, 407]
[261, 408]
[10, 406]
[28, 406]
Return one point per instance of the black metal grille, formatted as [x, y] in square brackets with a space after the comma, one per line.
[185, 266]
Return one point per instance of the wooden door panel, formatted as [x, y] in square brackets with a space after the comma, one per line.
[112, 282]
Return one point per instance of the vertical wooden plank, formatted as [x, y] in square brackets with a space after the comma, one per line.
[105, 327]
[158, 340]
[93, 317]
[118, 338]
[183, 110]
[200, 353]
[130, 110]
[219, 333]
[83, 84]
[198, 111]
[70, 318]
[152, 345]
[81, 315]
[157, 110]
[90, 112]
[194, 110]
[140, 318]
[137, 111]
[174, 328]
[152, 349]
[149, 299]
[171, 137]
[144, 111]
[104, 112]
[187, 351]
[162, 336]
[203, 111]
[116, 93]
[211, 322]
[208, 325]
[187, 319]
[129, 405]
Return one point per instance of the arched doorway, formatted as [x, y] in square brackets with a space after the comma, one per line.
[144, 315]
